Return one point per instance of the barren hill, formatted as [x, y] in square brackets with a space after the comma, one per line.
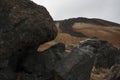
[84, 28]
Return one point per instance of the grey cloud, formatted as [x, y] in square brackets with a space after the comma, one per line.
[62, 9]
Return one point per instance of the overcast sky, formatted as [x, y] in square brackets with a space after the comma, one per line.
[64, 9]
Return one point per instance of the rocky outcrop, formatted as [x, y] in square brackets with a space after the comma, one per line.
[35, 65]
[60, 65]
[52, 63]
[24, 25]
[40, 66]
[106, 54]
[76, 66]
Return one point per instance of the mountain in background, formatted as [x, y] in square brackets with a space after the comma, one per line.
[72, 31]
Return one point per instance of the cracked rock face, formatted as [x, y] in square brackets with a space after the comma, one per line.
[76, 66]
[24, 25]
[40, 66]
[106, 54]
[114, 73]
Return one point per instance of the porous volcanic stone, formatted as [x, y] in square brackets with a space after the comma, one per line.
[106, 54]
[24, 25]
[76, 66]
[7, 74]
[40, 66]
[114, 73]
[50, 57]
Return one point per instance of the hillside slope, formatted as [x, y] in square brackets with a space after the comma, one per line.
[82, 28]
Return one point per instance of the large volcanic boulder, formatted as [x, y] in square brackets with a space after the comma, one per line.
[50, 57]
[106, 54]
[76, 66]
[24, 25]
[40, 66]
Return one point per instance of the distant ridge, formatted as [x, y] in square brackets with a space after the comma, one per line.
[95, 21]
[81, 28]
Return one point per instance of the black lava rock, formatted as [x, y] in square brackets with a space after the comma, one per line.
[7, 74]
[40, 66]
[106, 54]
[76, 66]
[24, 25]
[50, 57]
[113, 73]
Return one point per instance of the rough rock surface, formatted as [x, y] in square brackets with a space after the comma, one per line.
[24, 25]
[50, 57]
[106, 54]
[40, 66]
[35, 65]
[76, 66]
[7, 74]
[114, 73]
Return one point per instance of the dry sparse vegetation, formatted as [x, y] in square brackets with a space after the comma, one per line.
[110, 34]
